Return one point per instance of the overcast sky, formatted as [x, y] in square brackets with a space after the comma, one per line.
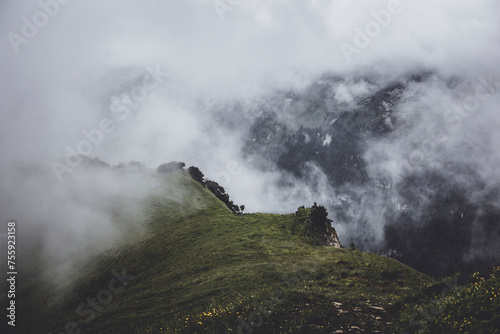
[63, 77]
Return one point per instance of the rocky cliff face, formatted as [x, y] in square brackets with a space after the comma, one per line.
[331, 239]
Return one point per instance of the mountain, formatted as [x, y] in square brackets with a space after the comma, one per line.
[197, 267]
[402, 180]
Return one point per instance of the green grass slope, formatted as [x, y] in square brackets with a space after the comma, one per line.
[471, 307]
[199, 268]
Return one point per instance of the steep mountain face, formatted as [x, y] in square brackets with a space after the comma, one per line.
[313, 126]
[432, 215]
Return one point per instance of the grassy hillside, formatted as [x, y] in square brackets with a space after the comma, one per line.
[199, 268]
[472, 306]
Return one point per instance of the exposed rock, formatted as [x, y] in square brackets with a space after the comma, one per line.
[332, 239]
[376, 308]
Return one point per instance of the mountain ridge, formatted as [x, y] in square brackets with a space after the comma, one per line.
[196, 255]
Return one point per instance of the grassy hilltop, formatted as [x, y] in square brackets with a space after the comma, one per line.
[198, 267]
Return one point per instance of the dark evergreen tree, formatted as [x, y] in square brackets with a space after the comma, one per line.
[170, 167]
[312, 224]
[220, 193]
[196, 174]
[319, 219]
